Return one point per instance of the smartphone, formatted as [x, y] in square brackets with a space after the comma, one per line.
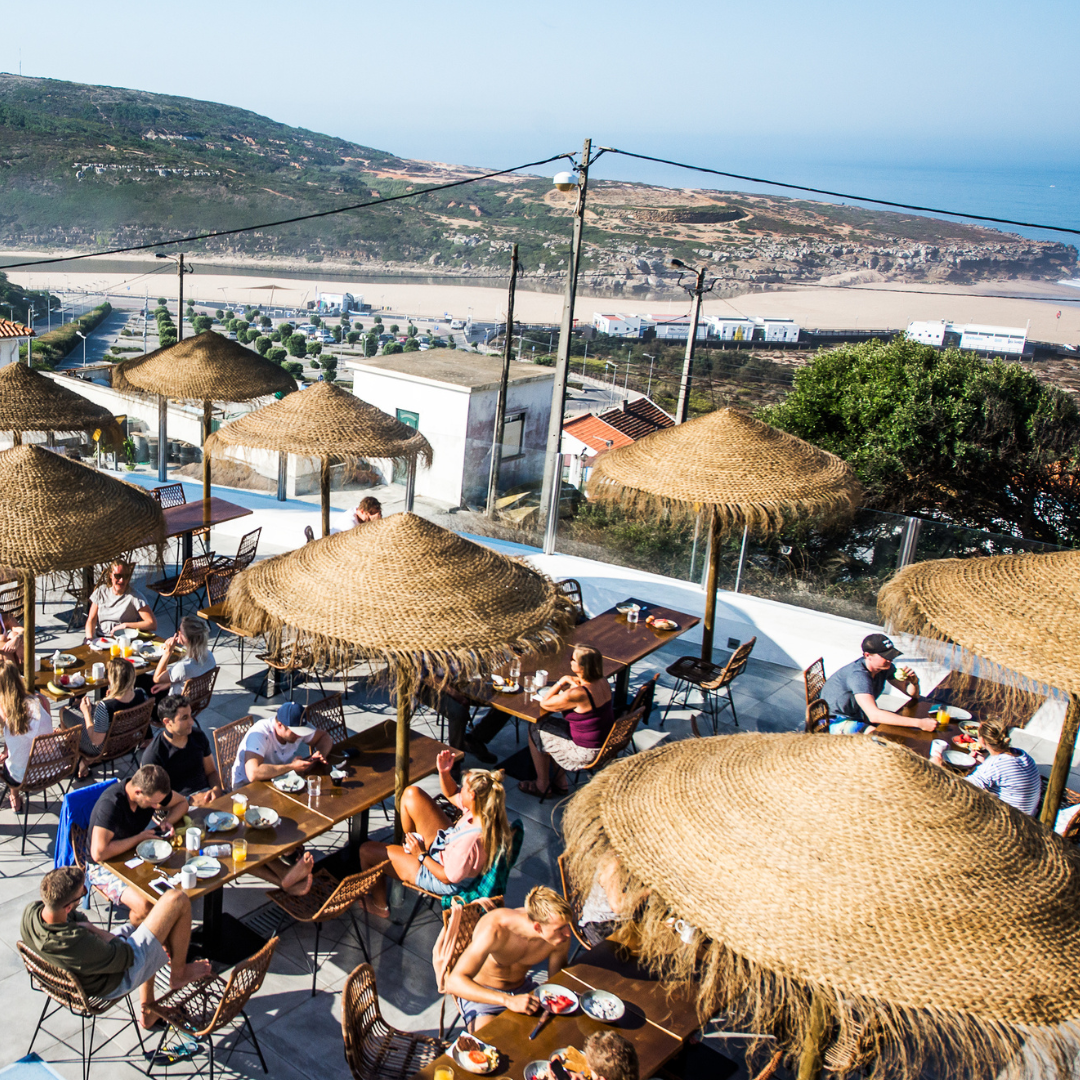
[559, 1070]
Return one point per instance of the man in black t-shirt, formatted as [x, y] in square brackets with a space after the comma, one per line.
[183, 751]
[122, 819]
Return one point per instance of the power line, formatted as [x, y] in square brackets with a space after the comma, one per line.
[286, 221]
[843, 195]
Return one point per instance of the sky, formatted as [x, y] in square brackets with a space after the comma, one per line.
[816, 93]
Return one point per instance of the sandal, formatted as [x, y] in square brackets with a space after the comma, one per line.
[372, 909]
[528, 787]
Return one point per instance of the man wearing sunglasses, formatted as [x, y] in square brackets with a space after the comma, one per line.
[114, 606]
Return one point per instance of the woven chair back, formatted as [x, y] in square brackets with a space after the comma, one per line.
[245, 554]
[227, 739]
[570, 894]
[244, 982]
[217, 585]
[471, 914]
[60, 985]
[200, 689]
[618, 739]
[11, 600]
[734, 667]
[814, 677]
[328, 714]
[817, 717]
[349, 890]
[126, 731]
[53, 757]
[644, 699]
[193, 574]
[80, 845]
[169, 495]
[571, 589]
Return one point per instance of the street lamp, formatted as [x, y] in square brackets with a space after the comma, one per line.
[648, 392]
[83, 336]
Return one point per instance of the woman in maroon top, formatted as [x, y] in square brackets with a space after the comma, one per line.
[573, 740]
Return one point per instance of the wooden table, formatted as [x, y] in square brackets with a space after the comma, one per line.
[188, 518]
[86, 657]
[626, 642]
[370, 780]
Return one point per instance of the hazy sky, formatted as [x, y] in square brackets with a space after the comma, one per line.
[775, 86]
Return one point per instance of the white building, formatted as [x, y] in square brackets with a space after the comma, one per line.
[339, 302]
[617, 325]
[450, 395]
[730, 329]
[751, 328]
[1011, 340]
[777, 329]
[12, 335]
[673, 327]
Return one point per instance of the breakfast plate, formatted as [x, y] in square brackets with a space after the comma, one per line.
[290, 782]
[557, 999]
[221, 821]
[205, 866]
[601, 1005]
[959, 759]
[261, 817]
[475, 1055]
[154, 851]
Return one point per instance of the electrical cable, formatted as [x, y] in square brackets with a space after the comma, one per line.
[843, 195]
[286, 221]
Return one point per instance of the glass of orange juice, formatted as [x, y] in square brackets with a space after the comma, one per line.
[444, 1072]
[126, 649]
[239, 851]
[114, 648]
[239, 804]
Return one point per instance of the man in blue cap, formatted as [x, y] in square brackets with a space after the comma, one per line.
[271, 745]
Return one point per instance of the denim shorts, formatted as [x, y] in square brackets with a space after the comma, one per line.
[425, 879]
[150, 958]
[470, 1010]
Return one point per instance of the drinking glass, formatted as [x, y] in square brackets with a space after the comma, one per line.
[114, 648]
[632, 615]
[527, 685]
[239, 805]
[515, 672]
[444, 1072]
[239, 851]
[126, 650]
[314, 787]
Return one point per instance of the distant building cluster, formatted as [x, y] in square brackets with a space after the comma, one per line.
[100, 168]
[677, 327]
[972, 337]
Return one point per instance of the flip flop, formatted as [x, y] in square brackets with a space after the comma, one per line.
[528, 787]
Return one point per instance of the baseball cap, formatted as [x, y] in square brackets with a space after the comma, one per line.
[289, 715]
[877, 643]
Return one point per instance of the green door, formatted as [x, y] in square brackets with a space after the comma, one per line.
[412, 420]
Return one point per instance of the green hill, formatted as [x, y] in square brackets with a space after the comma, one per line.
[86, 167]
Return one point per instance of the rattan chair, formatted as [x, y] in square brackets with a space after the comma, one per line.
[711, 680]
[814, 678]
[571, 589]
[127, 730]
[618, 739]
[80, 844]
[471, 914]
[289, 660]
[199, 690]
[54, 758]
[328, 714]
[227, 739]
[217, 588]
[817, 717]
[573, 898]
[244, 557]
[374, 1049]
[12, 600]
[329, 899]
[169, 495]
[190, 580]
[202, 1009]
[63, 991]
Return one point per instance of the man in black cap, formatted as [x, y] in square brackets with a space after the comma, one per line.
[852, 691]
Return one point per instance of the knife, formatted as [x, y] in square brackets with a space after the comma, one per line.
[545, 1016]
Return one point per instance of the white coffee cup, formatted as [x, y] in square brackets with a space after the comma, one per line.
[98, 672]
[938, 746]
[188, 879]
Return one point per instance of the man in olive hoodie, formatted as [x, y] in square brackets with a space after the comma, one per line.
[111, 965]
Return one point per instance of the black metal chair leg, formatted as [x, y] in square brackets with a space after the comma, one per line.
[254, 1041]
[26, 822]
[315, 958]
[360, 937]
[412, 915]
[210, 1051]
[41, 1020]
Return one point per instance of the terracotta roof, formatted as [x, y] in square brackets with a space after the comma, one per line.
[10, 329]
[595, 434]
[638, 419]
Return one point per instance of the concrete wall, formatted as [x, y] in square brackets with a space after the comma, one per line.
[9, 351]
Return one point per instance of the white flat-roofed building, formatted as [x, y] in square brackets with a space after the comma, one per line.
[928, 333]
[730, 329]
[778, 329]
[673, 327]
[617, 325]
[975, 337]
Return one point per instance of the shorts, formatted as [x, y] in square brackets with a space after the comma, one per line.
[105, 881]
[425, 879]
[470, 1010]
[552, 735]
[150, 958]
[845, 725]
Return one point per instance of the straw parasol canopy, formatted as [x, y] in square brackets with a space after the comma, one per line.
[324, 421]
[203, 369]
[62, 515]
[845, 876]
[746, 474]
[31, 401]
[1019, 614]
[425, 600]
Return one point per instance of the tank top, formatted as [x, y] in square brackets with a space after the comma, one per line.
[590, 729]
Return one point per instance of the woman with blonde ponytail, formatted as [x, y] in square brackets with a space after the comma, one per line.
[442, 858]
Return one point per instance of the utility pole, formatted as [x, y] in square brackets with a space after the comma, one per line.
[552, 458]
[683, 407]
[163, 406]
[30, 313]
[145, 317]
[500, 406]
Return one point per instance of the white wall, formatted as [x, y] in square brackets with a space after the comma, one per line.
[9, 351]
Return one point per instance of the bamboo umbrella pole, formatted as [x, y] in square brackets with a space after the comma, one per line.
[207, 412]
[29, 655]
[810, 1061]
[709, 625]
[1059, 773]
[325, 486]
[401, 761]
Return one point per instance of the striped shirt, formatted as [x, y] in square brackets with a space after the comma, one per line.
[1013, 777]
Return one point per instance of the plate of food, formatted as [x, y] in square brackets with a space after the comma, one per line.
[601, 1005]
[504, 686]
[959, 759]
[557, 999]
[154, 851]
[475, 1056]
[538, 1070]
[221, 821]
[954, 711]
[290, 781]
[662, 624]
[969, 727]
[205, 866]
[625, 609]
[66, 659]
[261, 817]
[151, 652]
[964, 743]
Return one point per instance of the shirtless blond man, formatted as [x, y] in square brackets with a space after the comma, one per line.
[493, 972]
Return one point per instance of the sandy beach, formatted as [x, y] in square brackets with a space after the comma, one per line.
[874, 306]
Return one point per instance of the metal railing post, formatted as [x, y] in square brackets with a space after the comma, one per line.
[552, 524]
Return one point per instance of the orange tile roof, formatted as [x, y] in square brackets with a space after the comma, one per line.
[595, 434]
[639, 418]
[10, 329]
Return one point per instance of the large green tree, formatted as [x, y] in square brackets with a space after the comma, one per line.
[945, 434]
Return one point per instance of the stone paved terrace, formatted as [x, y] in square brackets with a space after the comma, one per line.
[300, 1035]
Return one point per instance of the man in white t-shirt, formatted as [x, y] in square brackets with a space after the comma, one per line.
[271, 745]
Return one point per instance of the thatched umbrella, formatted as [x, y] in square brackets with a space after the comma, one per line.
[324, 421]
[202, 370]
[30, 401]
[1019, 614]
[62, 515]
[408, 592]
[746, 474]
[840, 885]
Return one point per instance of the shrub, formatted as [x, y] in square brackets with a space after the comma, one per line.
[316, 321]
[393, 347]
[262, 345]
[295, 369]
[201, 323]
[314, 348]
[352, 337]
[411, 345]
[219, 314]
[297, 345]
[277, 355]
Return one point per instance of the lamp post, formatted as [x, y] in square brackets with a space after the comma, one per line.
[696, 291]
[30, 313]
[648, 392]
[79, 333]
[163, 407]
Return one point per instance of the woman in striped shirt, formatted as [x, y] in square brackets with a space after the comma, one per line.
[1008, 773]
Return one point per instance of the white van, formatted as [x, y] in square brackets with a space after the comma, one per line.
[457, 324]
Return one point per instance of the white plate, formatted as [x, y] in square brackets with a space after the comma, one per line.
[101, 644]
[538, 1070]
[154, 851]
[954, 711]
[622, 609]
[602, 1006]
[460, 1057]
[221, 821]
[205, 866]
[291, 781]
[67, 660]
[958, 758]
[261, 817]
[551, 989]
